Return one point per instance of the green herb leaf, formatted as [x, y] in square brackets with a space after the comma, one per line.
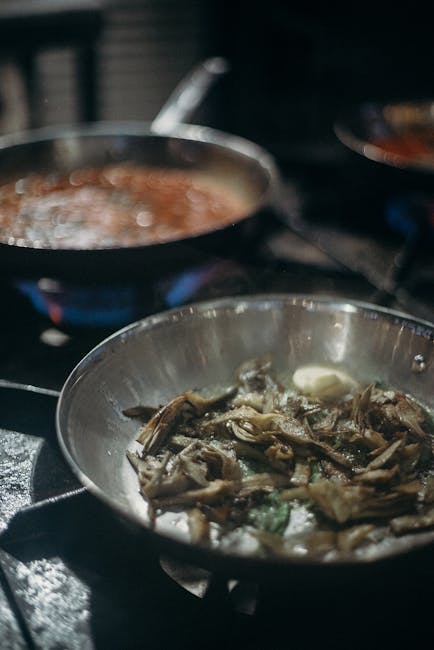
[272, 515]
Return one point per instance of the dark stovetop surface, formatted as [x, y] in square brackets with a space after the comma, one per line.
[72, 577]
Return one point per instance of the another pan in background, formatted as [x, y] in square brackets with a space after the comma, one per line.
[398, 134]
[231, 163]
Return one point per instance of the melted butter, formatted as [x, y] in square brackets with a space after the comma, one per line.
[323, 381]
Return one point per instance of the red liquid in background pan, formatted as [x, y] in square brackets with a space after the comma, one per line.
[417, 145]
[112, 206]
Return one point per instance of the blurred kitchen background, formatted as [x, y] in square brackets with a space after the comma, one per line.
[348, 225]
[294, 66]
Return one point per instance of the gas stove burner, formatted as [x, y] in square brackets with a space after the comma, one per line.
[116, 305]
[412, 214]
[238, 596]
[79, 305]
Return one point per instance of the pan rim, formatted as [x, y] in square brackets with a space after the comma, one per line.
[203, 555]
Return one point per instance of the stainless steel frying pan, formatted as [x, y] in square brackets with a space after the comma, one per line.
[200, 345]
[366, 128]
[234, 163]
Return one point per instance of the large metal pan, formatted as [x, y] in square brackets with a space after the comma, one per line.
[236, 164]
[200, 345]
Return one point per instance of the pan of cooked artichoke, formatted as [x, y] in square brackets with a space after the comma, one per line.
[262, 432]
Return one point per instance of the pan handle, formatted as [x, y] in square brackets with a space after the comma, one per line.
[5, 383]
[188, 94]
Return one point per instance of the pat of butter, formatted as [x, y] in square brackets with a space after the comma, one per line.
[322, 382]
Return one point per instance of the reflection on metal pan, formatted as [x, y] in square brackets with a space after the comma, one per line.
[200, 345]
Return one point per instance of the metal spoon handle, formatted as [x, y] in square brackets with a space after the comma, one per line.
[188, 94]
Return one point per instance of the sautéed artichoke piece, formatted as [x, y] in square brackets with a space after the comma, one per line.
[314, 467]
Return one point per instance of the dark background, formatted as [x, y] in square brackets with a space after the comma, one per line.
[294, 66]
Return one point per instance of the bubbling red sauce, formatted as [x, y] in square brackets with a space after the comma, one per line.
[113, 206]
[413, 145]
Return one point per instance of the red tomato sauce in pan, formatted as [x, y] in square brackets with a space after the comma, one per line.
[112, 206]
[417, 145]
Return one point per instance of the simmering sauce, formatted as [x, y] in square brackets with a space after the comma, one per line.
[112, 206]
[414, 145]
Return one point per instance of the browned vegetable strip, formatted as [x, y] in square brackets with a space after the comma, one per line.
[387, 455]
[408, 523]
[198, 525]
[212, 493]
[351, 538]
[302, 473]
[377, 476]
[428, 493]
[155, 432]
[339, 503]
[262, 457]
[261, 483]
